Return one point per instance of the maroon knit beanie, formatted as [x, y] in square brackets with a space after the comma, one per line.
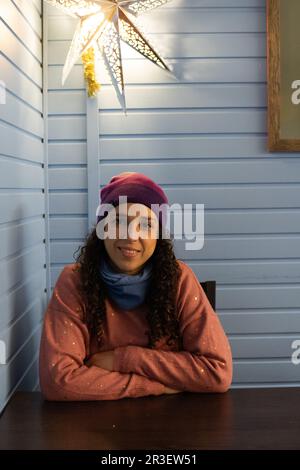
[138, 188]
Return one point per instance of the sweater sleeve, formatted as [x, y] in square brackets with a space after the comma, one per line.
[63, 348]
[204, 364]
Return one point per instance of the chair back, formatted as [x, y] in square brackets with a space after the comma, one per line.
[209, 288]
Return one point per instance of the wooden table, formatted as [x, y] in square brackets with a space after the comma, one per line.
[239, 419]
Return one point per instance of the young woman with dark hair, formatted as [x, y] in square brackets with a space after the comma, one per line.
[129, 319]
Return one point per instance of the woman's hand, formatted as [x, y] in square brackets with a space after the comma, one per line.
[104, 359]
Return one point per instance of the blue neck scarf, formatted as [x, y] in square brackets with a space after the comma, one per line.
[127, 291]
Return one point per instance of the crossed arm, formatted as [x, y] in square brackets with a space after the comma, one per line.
[105, 360]
[66, 373]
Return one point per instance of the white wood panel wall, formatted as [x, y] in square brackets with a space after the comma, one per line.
[203, 138]
[22, 196]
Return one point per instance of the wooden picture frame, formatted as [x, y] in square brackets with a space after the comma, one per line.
[283, 67]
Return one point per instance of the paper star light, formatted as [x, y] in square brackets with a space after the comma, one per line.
[102, 23]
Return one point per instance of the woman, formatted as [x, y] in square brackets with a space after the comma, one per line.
[128, 319]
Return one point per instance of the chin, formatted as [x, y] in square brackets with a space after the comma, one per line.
[129, 264]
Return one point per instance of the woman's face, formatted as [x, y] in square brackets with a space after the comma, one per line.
[135, 240]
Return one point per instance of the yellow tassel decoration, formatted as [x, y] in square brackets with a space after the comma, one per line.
[88, 59]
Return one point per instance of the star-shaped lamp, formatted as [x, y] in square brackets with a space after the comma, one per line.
[102, 23]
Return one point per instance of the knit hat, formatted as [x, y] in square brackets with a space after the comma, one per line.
[138, 188]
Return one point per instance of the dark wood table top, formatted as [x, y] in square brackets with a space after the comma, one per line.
[238, 419]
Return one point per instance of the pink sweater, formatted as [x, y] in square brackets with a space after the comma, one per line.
[204, 364]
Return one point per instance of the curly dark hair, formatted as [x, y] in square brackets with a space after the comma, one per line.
[160, 302]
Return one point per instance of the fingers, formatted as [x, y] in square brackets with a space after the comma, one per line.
[171, 390]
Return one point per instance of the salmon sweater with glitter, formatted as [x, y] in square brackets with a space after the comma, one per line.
[203, 365]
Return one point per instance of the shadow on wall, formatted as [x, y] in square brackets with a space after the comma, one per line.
[23, 302]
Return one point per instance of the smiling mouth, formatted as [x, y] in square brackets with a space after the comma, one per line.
[128, 253]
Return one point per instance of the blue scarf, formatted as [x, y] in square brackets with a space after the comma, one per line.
[128, 291]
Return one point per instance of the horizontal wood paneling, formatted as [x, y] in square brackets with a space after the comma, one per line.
[150, 97]
[68, 203]
[13, 374]
[76, 178]
[20, 145]
[172, 20]
[224, 70]
[17, 53]
[18, 114]
[218, 45]
[23, 204]
[31, 11]
[232, 248]
[253, 222]
[12, 17]
[20, 236]
[181, 122]
[283, 371]
[264, 170]
[260, 321]
[194, 4]
[22, 196]
[18, 174]
[68, 227]
[20, 297]
[20, 85]
[14, 334]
